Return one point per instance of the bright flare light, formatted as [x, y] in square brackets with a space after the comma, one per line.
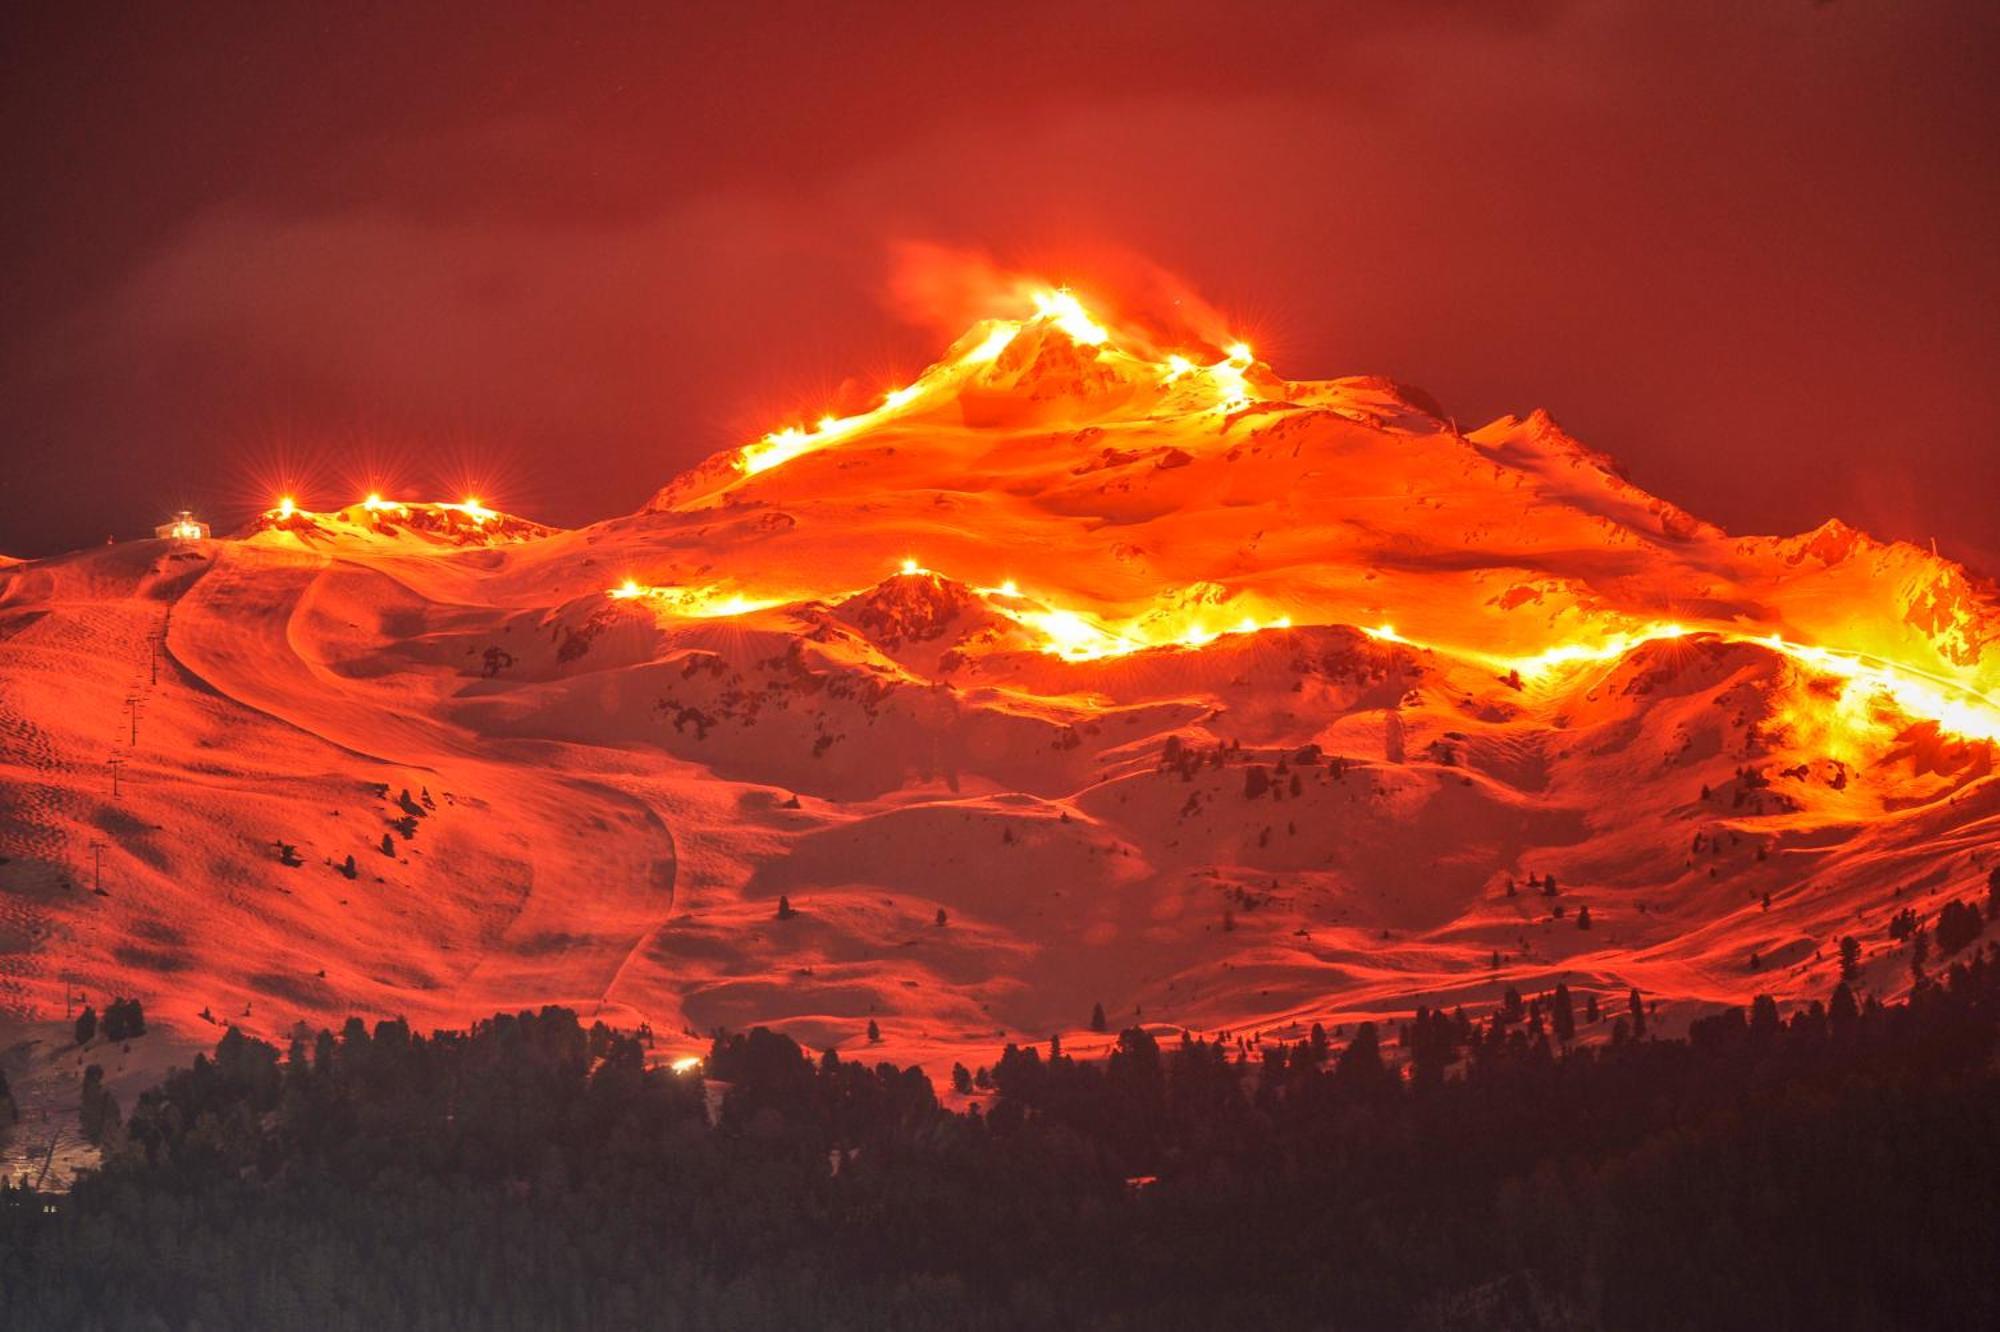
[1076, 636]
[1872, 681]
[1058, 307]
[992, 345]
[1613, 646]
[781, 446]
[691, 603]
[1232, 391]
[1061, 308]
[1870, 685]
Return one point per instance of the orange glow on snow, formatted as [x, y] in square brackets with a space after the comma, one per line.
[1869, 685]
[1090, 531]
[1058, 308]
[1177, 394]
[450, 524]
[692, 603]
[992, 345]
[1061, 308]
[1870, 682]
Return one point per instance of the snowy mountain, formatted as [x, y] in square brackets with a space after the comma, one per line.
[1229, 701]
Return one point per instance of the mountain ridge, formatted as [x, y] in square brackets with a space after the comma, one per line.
[1229, 701]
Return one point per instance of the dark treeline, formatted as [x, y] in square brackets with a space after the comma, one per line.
[1833, 1169]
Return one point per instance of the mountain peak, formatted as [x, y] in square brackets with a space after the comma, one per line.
[1107, 473]
[1169, 680]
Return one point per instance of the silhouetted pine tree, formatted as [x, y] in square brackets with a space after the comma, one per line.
[1957, 925]
[1565, 1014]
[1360, 1064]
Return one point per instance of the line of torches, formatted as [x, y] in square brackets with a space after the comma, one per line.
[1059, 308]
[1869, 680]
[287, 508]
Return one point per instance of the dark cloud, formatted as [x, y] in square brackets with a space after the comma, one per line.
[1743, 248]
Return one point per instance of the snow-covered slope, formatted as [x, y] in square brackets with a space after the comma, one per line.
[1228, 701]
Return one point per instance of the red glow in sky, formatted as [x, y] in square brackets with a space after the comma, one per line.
[1744, 249]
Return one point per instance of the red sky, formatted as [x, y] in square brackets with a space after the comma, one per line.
[1744, 248]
